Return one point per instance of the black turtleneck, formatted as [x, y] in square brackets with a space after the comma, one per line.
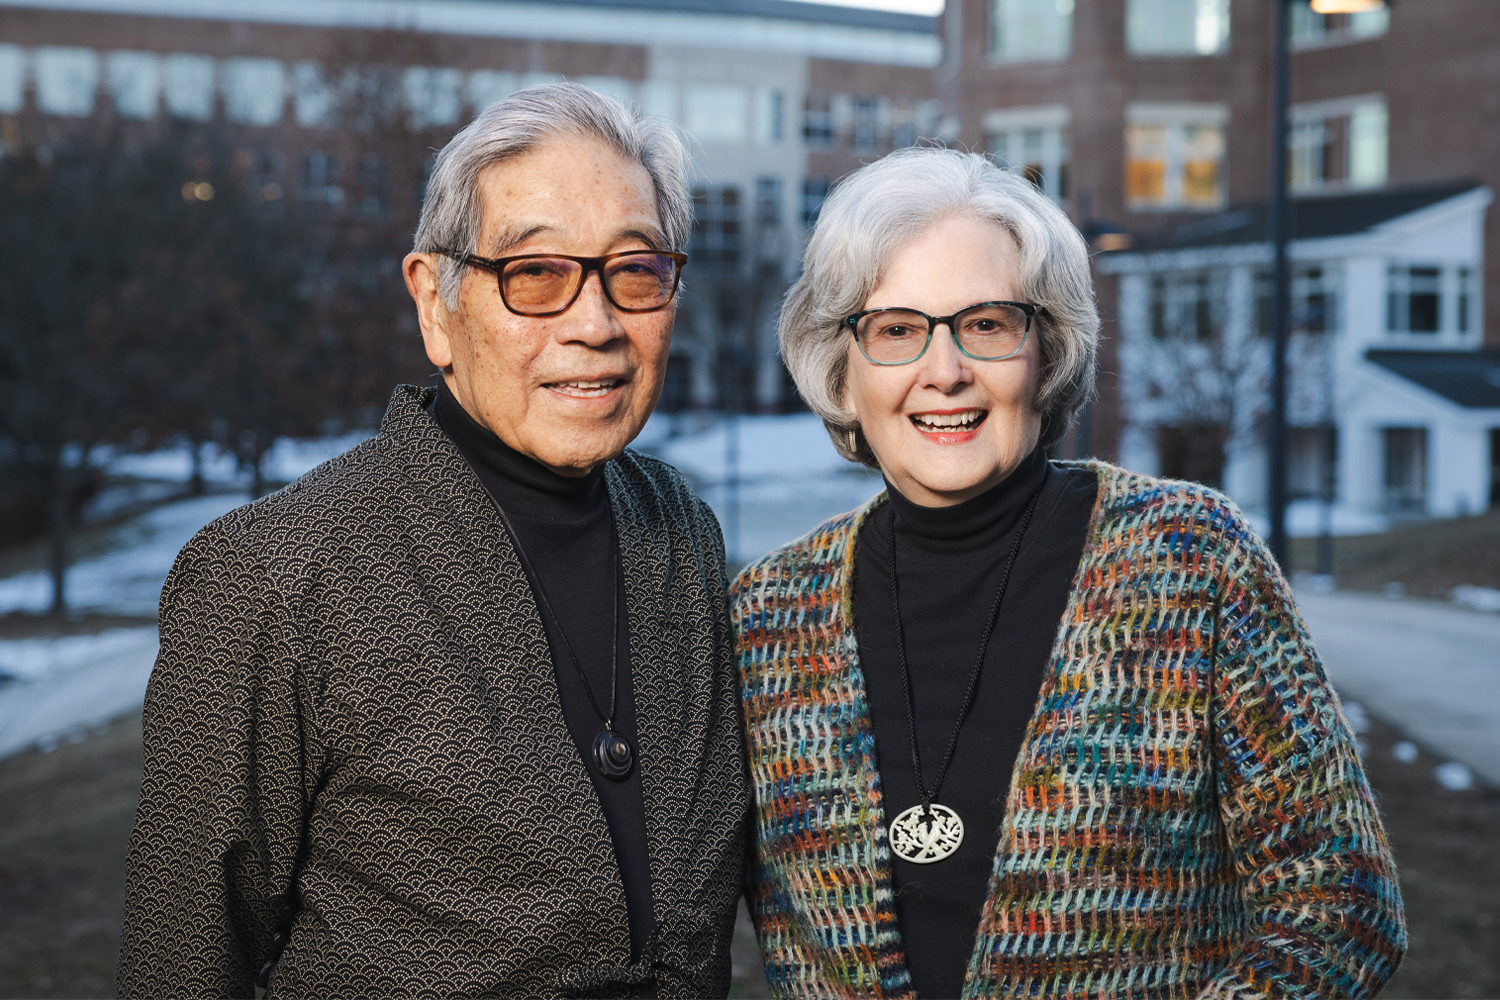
[949, 563]
[567, 531]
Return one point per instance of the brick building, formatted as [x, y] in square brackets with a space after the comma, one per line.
[1149, 121]
[780, 98]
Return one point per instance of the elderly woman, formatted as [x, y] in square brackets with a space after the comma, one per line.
[1020, 727]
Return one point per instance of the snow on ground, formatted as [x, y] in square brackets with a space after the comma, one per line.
[69, 684]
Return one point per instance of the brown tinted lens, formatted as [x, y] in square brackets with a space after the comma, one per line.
[991, 331]
[539, 284]
[891, 336]
[641, 280]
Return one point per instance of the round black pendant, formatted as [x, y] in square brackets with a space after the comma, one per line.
[612, 755]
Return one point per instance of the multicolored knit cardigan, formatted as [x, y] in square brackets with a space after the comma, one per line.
[1187, 815]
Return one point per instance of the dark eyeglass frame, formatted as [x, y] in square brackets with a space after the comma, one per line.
[1029, 308]
[588, 265]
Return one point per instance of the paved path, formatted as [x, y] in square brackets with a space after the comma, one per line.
[88, 680]
[1432, 670]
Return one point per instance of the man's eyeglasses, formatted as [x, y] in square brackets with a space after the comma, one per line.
[989, 331]
[546, 284]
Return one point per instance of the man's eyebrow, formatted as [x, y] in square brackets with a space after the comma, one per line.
[508, 239]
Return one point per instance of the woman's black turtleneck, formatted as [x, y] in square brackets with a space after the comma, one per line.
[567, 531]
[949, 562]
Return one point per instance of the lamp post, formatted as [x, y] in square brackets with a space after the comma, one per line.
[1280, 276]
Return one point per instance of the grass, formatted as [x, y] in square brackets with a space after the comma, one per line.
[1429, 558]
[68, 816]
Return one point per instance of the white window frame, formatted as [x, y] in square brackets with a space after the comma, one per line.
[818, 127]
[1208, 19]
[134, 82]
[1363, 139]
[716, 113]
[188, 85]
[1176, 120]
[254, 90]
[1007, 131]
[1309, 30]
[67, 80]
[1011, 20]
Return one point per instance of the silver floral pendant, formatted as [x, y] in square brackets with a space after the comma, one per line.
[923, 842]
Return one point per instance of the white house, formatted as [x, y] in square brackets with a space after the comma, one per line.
[1393, 400]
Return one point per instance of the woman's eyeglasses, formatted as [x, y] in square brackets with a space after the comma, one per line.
[988, 331]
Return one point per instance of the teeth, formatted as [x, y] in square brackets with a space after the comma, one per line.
[948, 421]
[586, 386]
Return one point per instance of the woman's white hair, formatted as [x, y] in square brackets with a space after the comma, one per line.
[452, 215]
[880, 208]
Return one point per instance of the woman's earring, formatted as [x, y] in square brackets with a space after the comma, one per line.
[853, 441]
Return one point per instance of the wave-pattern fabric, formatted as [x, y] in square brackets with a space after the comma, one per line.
[1187, 816]
[355, 693]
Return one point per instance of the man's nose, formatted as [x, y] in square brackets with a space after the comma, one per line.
[591, 319]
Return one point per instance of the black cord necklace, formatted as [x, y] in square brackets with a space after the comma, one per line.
[930, 831]
[613, 755]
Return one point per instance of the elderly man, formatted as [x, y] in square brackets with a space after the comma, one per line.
[453, 714]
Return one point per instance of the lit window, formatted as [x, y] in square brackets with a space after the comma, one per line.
[1414, 300]
[1309, 29]
[254, 90]
[1177, 27]
[1026, 30]
[134, 80]
[188, 86]
[817, 119]
[1033, 144]
[1174, 159]
[66, 80]
[715, 112]
[716, 225]
[12, 77]
[1337, 145]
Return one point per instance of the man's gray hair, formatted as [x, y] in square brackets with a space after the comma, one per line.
[881, 208]
[452, 215]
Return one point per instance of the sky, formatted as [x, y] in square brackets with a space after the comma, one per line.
[904, 6]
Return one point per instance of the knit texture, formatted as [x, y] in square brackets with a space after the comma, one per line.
[1187, 815]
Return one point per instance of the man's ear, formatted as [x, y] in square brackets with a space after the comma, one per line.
[420, 270]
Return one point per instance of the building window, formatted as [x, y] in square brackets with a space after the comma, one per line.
[1187, 305]
[715, 112]
[1027, 30]
[1405, 468]
[1312, 462]
[254, 91]
[188, 86]
[903, 126]
[1336, 146]
[1175, 161]
[768, 200]
[865, 129]
[1309, 29]
[817, 119]
[1039, 152]
[814, 193]
[1314, 300]
[320, 178]
[12, 77]
[716, 225]
[134, 80]
[1414, 300]
[776, 113]
[1177, 27]
[66, 80]
[1465, 277]
[1193, 451]
[261, 173]
[432, 95]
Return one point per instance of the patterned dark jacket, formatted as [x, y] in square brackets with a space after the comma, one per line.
[354, 708]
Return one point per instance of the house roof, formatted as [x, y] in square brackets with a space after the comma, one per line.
[1470, 379]
[1309, 217]
[781, 10]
